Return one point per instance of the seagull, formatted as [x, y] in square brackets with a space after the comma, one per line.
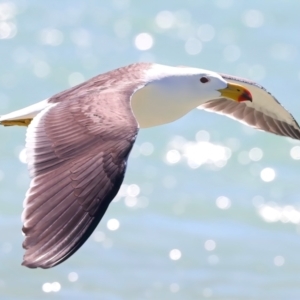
[78, 142]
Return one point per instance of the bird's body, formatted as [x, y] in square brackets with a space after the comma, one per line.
[78, 142]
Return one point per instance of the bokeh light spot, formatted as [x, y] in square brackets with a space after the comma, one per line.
[193, 46]
[210, 245]
[56, 287]
[175, 254]
[51, 37]
[223, 202]
[279, 261]
[48, 287]
[255, 154]
[23, 156]
[165, 19]
[99, 236]
[253, 18]
[73, 276]
[267, 174]
[113, 224]
[206, 32]
[133, 190]
[271, 212]
[8, 30]
[146, 148]
[202, 136]
[295, 152]
[8, 10]
[243, 158]
[144, 41]
[173, 156]
[213, 259]
[174, 287]
[41, 69]
[130, 201]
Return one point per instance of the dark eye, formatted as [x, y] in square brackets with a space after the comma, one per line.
[204, 79]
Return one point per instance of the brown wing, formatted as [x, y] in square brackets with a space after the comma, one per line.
[77, 152]
[264, 112]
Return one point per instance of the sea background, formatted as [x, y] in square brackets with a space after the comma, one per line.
[210, 208]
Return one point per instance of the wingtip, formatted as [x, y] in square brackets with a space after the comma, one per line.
[34, 261]
[28, 265]
[35, 265]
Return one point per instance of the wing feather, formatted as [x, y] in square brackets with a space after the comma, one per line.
[264, 112]
[77, 154]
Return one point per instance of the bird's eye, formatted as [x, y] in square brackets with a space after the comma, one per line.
[204, 79]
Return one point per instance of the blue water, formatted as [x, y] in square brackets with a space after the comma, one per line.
[176, 238]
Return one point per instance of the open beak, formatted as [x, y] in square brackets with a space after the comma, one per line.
[236, 92]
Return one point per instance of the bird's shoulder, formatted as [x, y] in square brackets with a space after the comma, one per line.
[122, 81]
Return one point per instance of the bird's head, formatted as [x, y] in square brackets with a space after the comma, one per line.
[197, 85]
[207, 85]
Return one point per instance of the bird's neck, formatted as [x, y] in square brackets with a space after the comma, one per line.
[153, 106]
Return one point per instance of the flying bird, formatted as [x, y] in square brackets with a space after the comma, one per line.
[78, 142]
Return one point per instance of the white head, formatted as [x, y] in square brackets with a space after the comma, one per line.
[171, 92]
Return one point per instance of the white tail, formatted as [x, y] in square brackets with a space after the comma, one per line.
[23, 117]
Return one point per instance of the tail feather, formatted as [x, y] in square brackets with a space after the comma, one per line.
[23, 117]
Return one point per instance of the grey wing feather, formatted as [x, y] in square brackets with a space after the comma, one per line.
[77, 156]
[264, 112]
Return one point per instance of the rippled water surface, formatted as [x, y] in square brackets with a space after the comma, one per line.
[209, 208]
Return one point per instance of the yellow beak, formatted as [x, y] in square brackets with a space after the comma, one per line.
[236, 92]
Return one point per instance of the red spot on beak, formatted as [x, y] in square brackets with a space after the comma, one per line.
[245, 96]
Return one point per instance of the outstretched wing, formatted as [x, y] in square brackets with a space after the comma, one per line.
[77, 151]
[264, 112]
